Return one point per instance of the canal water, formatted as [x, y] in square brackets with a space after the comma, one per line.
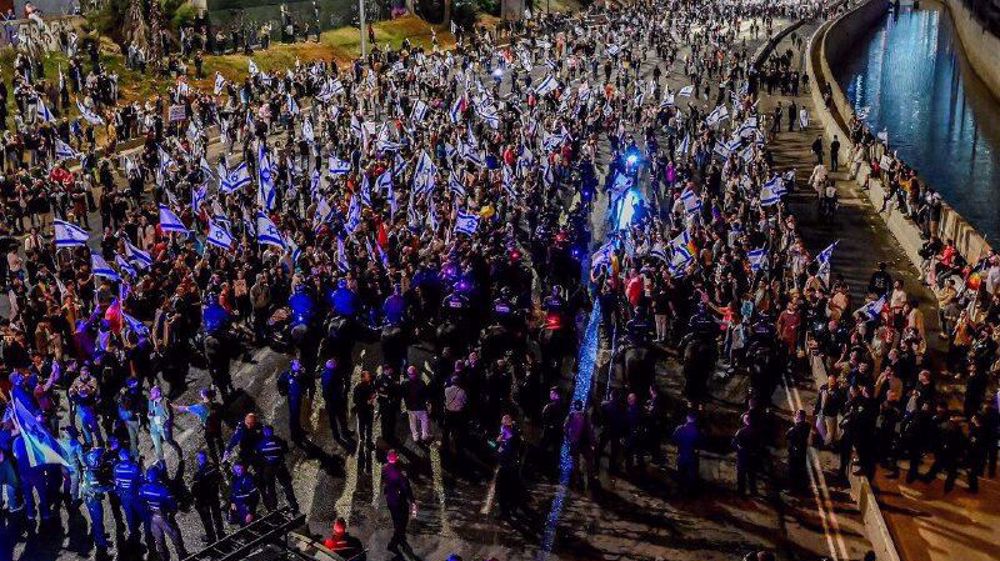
[910, 76]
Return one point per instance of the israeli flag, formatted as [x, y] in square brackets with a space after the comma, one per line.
[267, 232]
[768, 197]
[65, 151]
[686, 91]
[236, 179]
[776, 185]
[602, 257]
[685, 144]
[803, 118]
[307, 131]
[668, 101]
[135, 326]
[137, 256]
[471, 154]
[293, 107]
[823, 259]
[508, 181]
[353, 216]
[384, 181]
[198, 196]
[252, 68]
[265, 177]
[719, 114]
[658, 251]
[613, 50]
[466, 223]
[366, 190]
[206, 169]
[169, 222]
[419, 111]
[88, 115]
[43, 112]
[220, 83]
[343, 265]
[872, 310]
[456, 110]
[757, 258]
[456, 186]
[547, 85]
[41, 446]
[338, 166]
[102, 269]
[69, 235]
[125, 266]
[692, 202]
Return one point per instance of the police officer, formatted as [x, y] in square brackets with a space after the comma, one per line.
[508, 487]
[553, 415]
[333, 381]
[798, 449]
[271, 467]
[205, 488]
[160, 510]
[128, 480]
[243, 496]
[246, 436]
[687, 437]
[94, 488]
[747, 455]
[130, 411]
[292, 384]
[399, 498]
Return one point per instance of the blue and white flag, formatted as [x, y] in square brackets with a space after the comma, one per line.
[43, 112]
[466, 223]
[872, 310]
[547, 85]
[169, 222]
[686, 91]
[101, 267]
[719, 114]
[69, 235]
[220, 83]
[41, 446]
[471, 154]
[307, 131]
[757, 258]
[88, 115]
[343, 265]
[236, 179]
[219, 236]
[353, 216]
[137, 256]
[366, 190]
[767, 195]
[685, 145]
[324, 212]
[507, 181]
[198, 197]
[338, 166]
[252, 68]
[293, 107]
[65, 151]
[602, 257]
[125, 266]
[268, 233]
[658, 251]
[823, 260]
[692, 202]
[456, 186]
[265, 177]
[419, 111]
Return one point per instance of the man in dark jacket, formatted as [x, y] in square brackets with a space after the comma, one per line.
[399, 498]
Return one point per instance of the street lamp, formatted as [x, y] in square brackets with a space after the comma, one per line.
[364, 39]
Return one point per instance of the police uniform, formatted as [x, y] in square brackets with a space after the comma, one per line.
[128, 480]
[205, 490]
[94, 490]
[271, 467]
[160, 509]
[292, 385]
[243, 498]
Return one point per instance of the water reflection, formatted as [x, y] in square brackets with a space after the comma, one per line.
[911, 76]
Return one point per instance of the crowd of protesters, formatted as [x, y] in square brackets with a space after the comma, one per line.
[482, 203]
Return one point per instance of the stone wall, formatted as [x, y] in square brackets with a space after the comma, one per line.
[828, 47]
[982, 48]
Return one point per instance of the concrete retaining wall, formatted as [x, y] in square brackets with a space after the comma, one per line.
[982, 48]
[829, 45]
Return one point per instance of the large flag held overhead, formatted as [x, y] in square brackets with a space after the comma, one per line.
[137, 256]
[102, 269]
[466, 223]
[169, 222]
[267, 232]
[219, 236]
[41, 446]
[69, 235]
[236, 179]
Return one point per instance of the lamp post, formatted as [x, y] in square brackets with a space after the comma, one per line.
[364, 37]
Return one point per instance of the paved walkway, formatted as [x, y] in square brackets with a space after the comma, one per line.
[926, 524]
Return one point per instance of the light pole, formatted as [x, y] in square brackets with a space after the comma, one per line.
[364, 37]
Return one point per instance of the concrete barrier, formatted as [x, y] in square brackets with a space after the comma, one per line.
[875, 527]
[828, 46]
[982, 48]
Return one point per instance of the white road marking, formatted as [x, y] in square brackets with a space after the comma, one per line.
[345, 503]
